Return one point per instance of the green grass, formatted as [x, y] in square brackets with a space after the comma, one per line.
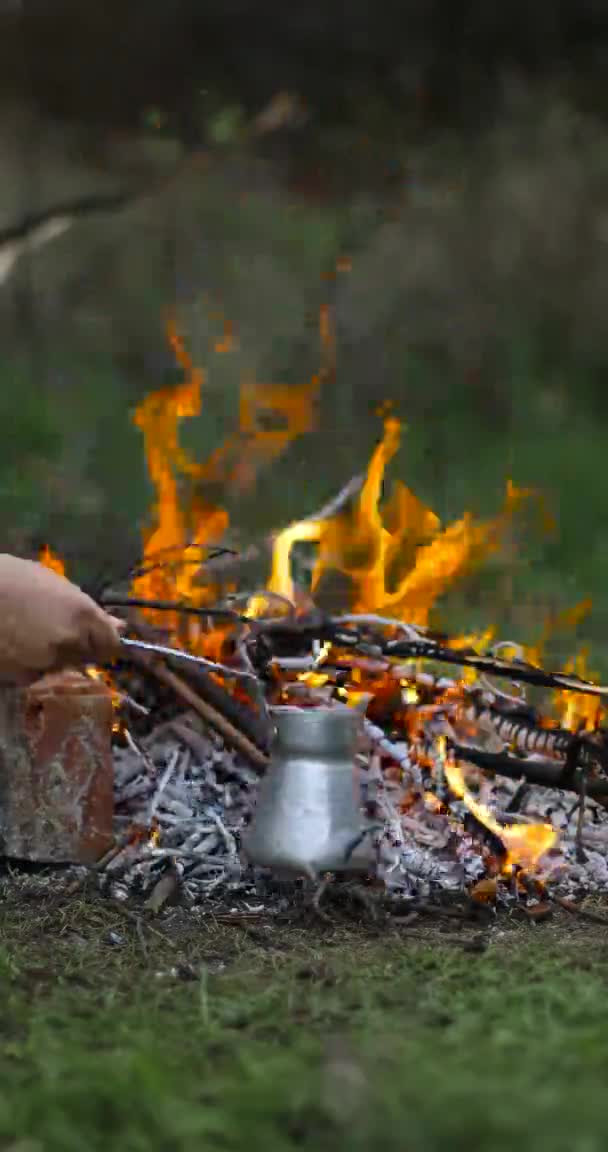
[279, 1039]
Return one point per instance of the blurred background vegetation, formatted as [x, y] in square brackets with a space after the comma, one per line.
[434, 172]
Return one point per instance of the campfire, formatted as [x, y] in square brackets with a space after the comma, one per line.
[479, 772]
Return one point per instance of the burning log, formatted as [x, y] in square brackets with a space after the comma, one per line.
[343, 633]
[535, 770]
[527, 736]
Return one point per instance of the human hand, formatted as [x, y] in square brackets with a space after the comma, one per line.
[48, 623]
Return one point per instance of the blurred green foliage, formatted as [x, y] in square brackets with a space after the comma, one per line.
[474, 304]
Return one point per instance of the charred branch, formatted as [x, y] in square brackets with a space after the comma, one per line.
[237, 723]
[516, 671]
[234, 737]
[526, 735]
[177, 606]
[547, 773]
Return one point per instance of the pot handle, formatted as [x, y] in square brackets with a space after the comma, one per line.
[360, 837]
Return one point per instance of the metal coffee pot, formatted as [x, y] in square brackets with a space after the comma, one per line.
[308, 817]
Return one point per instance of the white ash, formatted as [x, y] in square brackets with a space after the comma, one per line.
[184, 808]
[423, 850]
[418, 852]
[191, 808]
[201, 804]
[551, 806]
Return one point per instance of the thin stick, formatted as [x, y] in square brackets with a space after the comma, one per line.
[575, 910]
[165, 778]
[178, 606]
[101, 864]
[134, 917]
[493, 666]
[128, 702]
[337, 503]
[580, 851]
[210, 715]
[135, 748]
[241, 717]
[140, 936]
[178, 654]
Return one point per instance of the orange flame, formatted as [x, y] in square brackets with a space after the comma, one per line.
[526, 844]
[271, 416]
[172, 549]
[574, 709]
[564, 621]
[50, 560]
[398, 559]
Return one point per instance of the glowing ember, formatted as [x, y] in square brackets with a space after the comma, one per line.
[409, 694]
[432, 802]
[104, 677]
[155, 837]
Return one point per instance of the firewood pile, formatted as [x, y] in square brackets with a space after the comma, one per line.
[470, 789]
[478, 772]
